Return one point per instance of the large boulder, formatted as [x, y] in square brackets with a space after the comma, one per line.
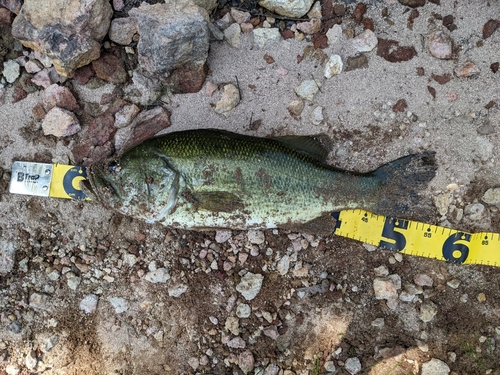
[69, 32]
[174, 37]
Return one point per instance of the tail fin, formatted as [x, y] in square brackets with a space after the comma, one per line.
[402, 180]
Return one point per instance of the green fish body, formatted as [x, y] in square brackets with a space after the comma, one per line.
[206, 179]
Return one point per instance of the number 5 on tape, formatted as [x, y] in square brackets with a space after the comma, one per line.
[415, 238]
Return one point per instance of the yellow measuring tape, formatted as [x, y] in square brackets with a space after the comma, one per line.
[405, 236]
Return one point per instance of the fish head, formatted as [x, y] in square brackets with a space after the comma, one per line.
[139, 183]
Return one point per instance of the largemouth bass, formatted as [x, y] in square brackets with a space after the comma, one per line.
[207, 179]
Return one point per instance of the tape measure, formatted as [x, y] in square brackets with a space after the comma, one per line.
[405, 236]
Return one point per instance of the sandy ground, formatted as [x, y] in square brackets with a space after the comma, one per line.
[323, 310]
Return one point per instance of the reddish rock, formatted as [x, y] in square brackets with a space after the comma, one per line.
[339, 9]
[188, 79]
[102, 129]
[359, 12]
[38, 111]
[86, 154]
[18, 94]
[400, 106]
[490, 104]
[442, 79]
[448, 22]
[368, 24]
[490, 27]
[6, 16]
[327, 9]
[58, 96]
[411, 19]
[392, 52]
[84, 74]
[320, 41]
[269, 59]
[437, 2]
[109, 68]
[412, 3]
[432, 91]
[420, 71]
[42, 78]
[287, 34]
[494, 67]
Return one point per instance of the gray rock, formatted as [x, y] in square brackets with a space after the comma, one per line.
[122, 30]
[240, 16]
[222, 236]
[440, 45]
[119, 304]
[69, 32]
[177, 290]
[73, 281]
[435, 367]
[474, 211]
[250, 285]
[89, 303]
[296, 107]
[171, 35]
[233, 325]
[422, 279]
[365, 42]
[11, 70]
[353, 365]
[60, 123]
[208, 5]
[246, 361]
[492, 196]
[333, 66]
[283, 265]
[33, 66]
[307, 89]
[334, 34]
[317, 115]
[160, 275]
[39, 301]
[31, 361]
[271, 369]
[428, 311]
[232, 35]
[265, 37]
[237, 343]
[13, 5]
[256, 237]
[288, 8]
[7, 256]
[243, 310]
[229, 100]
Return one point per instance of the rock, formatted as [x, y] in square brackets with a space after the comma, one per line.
[208, 5]
[283, 265]
[69, 32]
[11, 70]
[295, 108]
[422, 279]
[43, 78]
[271, 369]
[89, 303]
[317, 116]
[492, 196]
[7, 255]
[469, 69]
[256, 237]
[119, 304]
[481, 297]
[288, 8]
[236, 343]
[125, 115]
[73, 281]
[490, 27]
[413, 3]
[60, 123]
[173, 36]
[240, 16]
[440, 45]
[39, 301]
[428, 311]
[435, 367]
[329, 366]
[109, 68]
[353, 365]
[229, 100]
[232, 325]
[177, 290]
[246, 27]
[31, 360]
[315, 11]
[58, 96]
[250, 285]
[13, 5]
[265, 38]
[232, 35]
[160, 275]
[84, 74]
[310, 27]
[12, 370]
[334, 34]
[194, 363]
[384, 288]
[122, 30]
[33, 66]
[442, 202]
[243, 310]
[246, 361]
[391, 51]
[222, 236]
[474, 211]
[145, 125]
[365, 42]
[356, 62]
[307, 89]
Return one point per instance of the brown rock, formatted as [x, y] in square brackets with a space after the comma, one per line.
[187, 79]
[339, 9]
[359, 12]
[18, 94]
[420, 71]
[320, 41]
[442, 79]
[58, 96]
[101, 130]
[448, 22]
[356, 62]
[432, 91]
[411, 19]
[109, 68]
[6, 16]
[38, 111]
[269, 59]
[400, 106]
[13, 5]
[490, 27]
[469, 69]
[287, 34]
[412, 3]
[84, 74]
[494, 67]
[392, 52]
[490, 104]
[368, 24]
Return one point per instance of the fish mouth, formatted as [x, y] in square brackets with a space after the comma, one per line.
[97, 186]
[88, 190]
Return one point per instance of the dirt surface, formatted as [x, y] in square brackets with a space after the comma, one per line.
[171, 302]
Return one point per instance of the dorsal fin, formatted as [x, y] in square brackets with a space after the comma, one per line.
[316, 146]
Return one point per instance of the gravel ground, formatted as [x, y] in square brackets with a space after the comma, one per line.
[87, 291]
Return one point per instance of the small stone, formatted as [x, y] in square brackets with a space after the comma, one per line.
[413, 3]
[110, 68]
[469, 69]
[233, 325]
[236, 343]
[352, 365]
[222, 236]
[122, 30]
[243, 310]
[310, 27]
[240, 16]
[54, 275]
[391, 51]
[58, 96]
[490, 27]
[378, 323]
[210, 88]
[194, 363]
[423, 346]
[384, 288]
[307, 89]
[119, 304]
[229, 100]
[250, 285]
[288, 8]
[455, 283]
[428, 311]
[329, 366]
[283, 265]
[365, 42]
[11, 70]
[125, 115]
[440, 45]
[177, 290]
[271, 369]
[481, 297]
[31, 360]
[474, 211]
[232, 35]
[246, 27]
[246, 361]
[442, 202]
[317, 116]
[264, 38]
[38, 300]
[60, 123]
[271, 332]
[296, 107]
[89, 303]
[400, 106]
[315, 11]
[333, 66]
[334, 34]
[160, 275]
[12, 370]
[33, 66]
[74, 282]
[492, 196]
[435, 367]
[423, 280]
[118, 5]
[256, 237]
[356, 62]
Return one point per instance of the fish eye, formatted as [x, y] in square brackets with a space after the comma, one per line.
[114, 167]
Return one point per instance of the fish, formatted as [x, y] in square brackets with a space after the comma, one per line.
[215, 179]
